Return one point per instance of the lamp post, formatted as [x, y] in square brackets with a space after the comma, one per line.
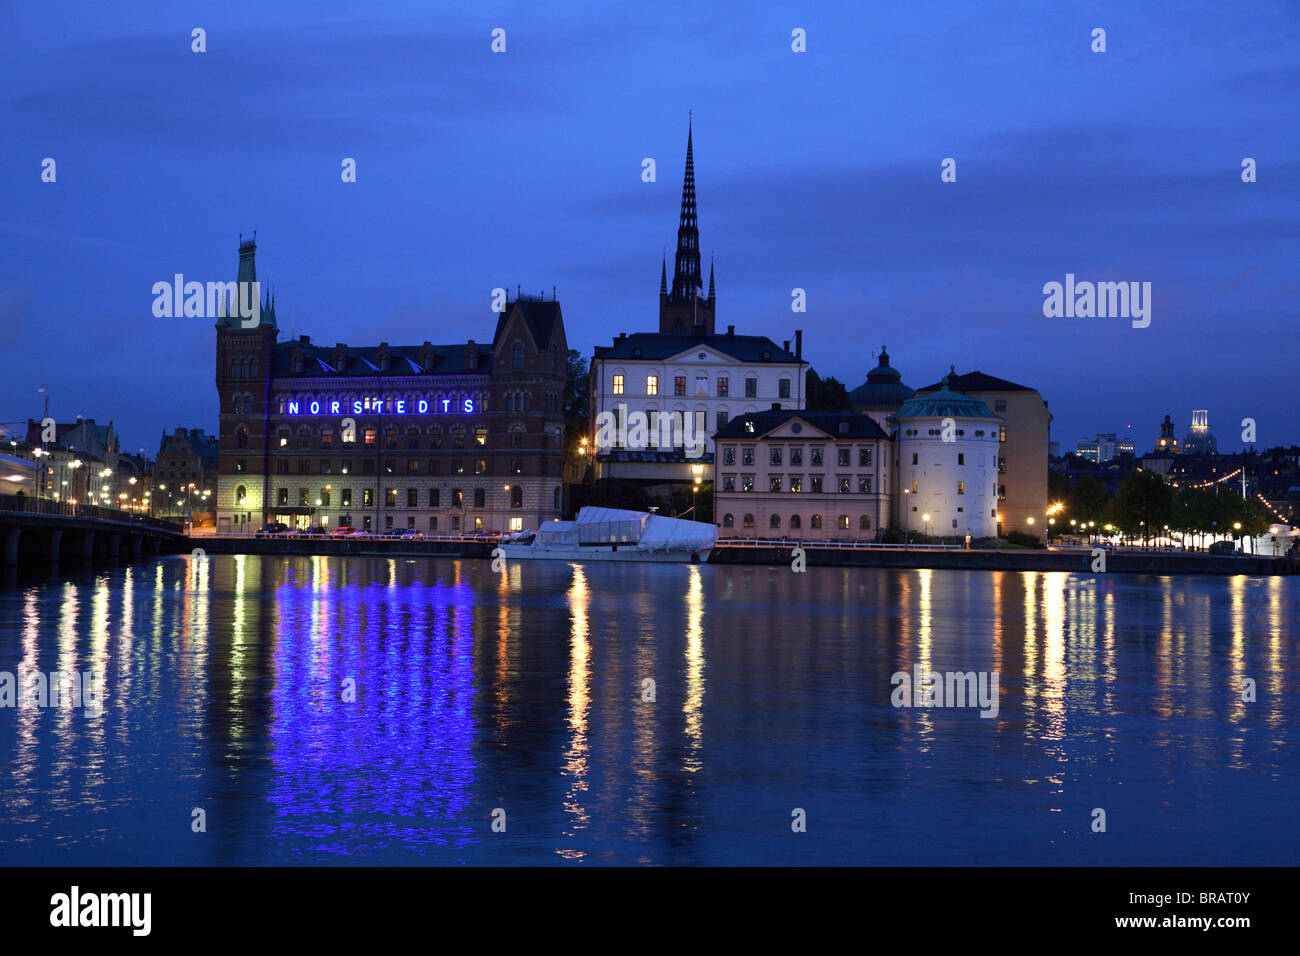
[907, 518]
[926, 518]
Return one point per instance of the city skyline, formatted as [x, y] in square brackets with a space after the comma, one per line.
[487, 170]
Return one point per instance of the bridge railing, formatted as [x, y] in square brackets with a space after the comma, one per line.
[835, 545]
[48, 506]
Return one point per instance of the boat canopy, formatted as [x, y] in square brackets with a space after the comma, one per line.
[677, 534]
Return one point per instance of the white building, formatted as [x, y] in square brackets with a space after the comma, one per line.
[705, 379]
[946, 460]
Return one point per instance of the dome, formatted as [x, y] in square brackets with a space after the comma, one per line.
[884, 387]
[944, 403]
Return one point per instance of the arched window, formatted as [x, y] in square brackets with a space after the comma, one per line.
[816, 521]
[795, 522]
[234, 368]
[252, 367]
[774, 521]
[517, 356]
[728, 521]
[243, 368]
[749, 521]
[516, 436]
[241, 437]
[844, 522]
[241, 495]
[516, 496]
[864, 523]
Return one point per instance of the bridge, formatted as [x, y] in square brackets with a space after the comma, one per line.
[43, 530]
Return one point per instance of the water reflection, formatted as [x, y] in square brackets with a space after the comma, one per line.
[380, 710]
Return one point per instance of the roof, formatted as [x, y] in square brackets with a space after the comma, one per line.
[945, 403]
[363, 361]
[859, 426]
[655, 457]
[659, 346]
[540, 316]
[976, 382]
[884, 387]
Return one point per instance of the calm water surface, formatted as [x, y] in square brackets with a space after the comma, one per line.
[523, 690]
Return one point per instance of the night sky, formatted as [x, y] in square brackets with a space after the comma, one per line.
[818, 170]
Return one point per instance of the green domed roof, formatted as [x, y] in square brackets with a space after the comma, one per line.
[944, 403]
[884, 387]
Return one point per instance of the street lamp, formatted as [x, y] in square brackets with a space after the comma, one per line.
[926, 518]
[907, 518]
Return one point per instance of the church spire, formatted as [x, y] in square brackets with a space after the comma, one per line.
[663, 275]
[712, 292]
[686, 276]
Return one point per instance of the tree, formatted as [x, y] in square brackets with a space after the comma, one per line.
[1086, 500]
[1143, 505]
[825, 394]
[577, 389]
[618, 493]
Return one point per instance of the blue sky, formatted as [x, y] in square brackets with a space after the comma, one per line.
[817, 170]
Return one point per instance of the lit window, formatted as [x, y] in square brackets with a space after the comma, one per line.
[618, 384]
[652, 384]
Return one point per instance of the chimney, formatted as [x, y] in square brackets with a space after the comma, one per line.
[731, 331]
[776, 406]
[798, 344]
[786, 345]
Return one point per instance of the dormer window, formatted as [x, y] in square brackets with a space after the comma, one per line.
[383, 363]
[297, 364]
[517, 355]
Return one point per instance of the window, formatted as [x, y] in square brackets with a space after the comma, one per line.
[729, 456]
[722, 419]
[864, 523]
[796, 456]
[774, 521]
[747, 456]
[1002, 492]
[783, 388]
[284, 438]
[480, 436]
[775, 456]
[516, 466]
[724, 386]
[816, 456]
[304, 466]
[701, 385]
[844, 486]
[961, 458]
[282, 496]
[433, 522]
[961, 487]
[457, 466]
[864, 486]
[478, 523]
[347, 498]
[843, 457]
[816, 485]
[864, 457]
[480, 498]
[1002, 433]
[796, 483]
[747, 483]
[516, 496]
[774, 483]
[367, 497]
[652, 384]
[517, 436]
[914, 458]
[412, 466]
[1000, 405]
[412, 438]
[412, 497]
[517, 355]
[435, 496]
[728, 482]
[816, 521]
[458, 436]
[367, 467]
[749, 521]
[679, 384]
[327, 437]
[390, 437]
[457, 499]
[302, 497]
[618, 384]
[844, 522]
[455, 522]
[795, 522]
[390, 497]
[241, 437]
[480, 466]
[326, 466]
[914, 485]
[751, 386]
[370, 437]
[728, 521]
[1002, 466]
[325, 497]
[516, 524]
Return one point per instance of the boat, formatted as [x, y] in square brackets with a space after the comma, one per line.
[615, 534]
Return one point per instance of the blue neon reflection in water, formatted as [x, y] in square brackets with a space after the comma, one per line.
[525, 690]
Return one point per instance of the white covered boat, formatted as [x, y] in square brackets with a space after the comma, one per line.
[612, 534]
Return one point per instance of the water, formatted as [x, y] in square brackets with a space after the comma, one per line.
[523, 690]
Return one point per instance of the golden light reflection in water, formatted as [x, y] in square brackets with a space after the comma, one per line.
[576, 757]
[924, 648]
[693, 708]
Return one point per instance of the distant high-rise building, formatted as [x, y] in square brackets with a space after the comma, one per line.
[1199, 441]
[1101, 447]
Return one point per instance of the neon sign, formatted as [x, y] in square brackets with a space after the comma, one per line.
[377, 407]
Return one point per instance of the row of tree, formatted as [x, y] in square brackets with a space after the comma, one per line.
[1145, 505]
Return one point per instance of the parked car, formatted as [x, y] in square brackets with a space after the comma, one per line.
[317, 530]
[361, 533]
[296, 533]
[1222, 547]
[412, 534]
[342, 531]
[271, 530]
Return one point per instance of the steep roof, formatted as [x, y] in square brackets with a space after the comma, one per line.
[540, 317]
[363, 361]
[658, 346]
[859, 426]
[884, 387]
[977, 382]
[945, 403]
